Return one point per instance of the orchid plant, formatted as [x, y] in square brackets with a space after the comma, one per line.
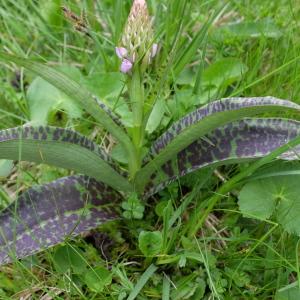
[230, 130]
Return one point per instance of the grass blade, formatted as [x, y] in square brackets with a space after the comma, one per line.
[142, 281]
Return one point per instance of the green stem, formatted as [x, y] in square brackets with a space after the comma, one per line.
[237, 180]
[136, 90]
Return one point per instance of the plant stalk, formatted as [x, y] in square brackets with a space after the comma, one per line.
[136, 90]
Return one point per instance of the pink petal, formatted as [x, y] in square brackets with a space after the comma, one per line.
[154, 50]
[121, 52]
[140, 2]
[126, 66]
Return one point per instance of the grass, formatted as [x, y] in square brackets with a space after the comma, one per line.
[208, 251]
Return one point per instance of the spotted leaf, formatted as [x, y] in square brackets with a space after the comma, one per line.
[235, 142]
[62, 148]
[49, 214]
[204, 120]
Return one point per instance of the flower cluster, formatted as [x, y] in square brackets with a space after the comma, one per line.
[137, 39]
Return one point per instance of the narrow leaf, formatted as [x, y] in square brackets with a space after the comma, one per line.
[142, 281]
[189, 52]
[283, 168]
[47, 215]
[235, 142]
[62, 148]
[202, 121]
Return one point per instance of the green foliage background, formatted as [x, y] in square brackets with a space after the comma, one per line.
[252, 49]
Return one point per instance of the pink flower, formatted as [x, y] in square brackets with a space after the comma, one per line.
[126, 65]
[121, 52]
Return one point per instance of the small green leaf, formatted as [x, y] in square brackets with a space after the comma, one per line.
[241, 279]
[200, 291]
[150, 243]
[6, 167]
[186, 77]
[69, 258]
[181, 103]
[159, 208]
[97, 278]
[133, 207]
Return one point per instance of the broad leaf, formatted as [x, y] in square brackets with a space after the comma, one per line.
[62, 148]
[106, 85]
[235, 142]
[289, 292]
[69, 257]
[223, 72]
[97, 278]
[43, 98]
[66, 84]
[202, 121]
[215, 80]
[42, 92]
[150, 242]
[277, 196]
[78, 94]
[46, 215]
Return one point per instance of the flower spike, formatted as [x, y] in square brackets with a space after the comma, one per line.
[136, 42]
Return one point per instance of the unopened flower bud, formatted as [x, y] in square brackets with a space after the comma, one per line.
[154, 50]
[121, 52]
